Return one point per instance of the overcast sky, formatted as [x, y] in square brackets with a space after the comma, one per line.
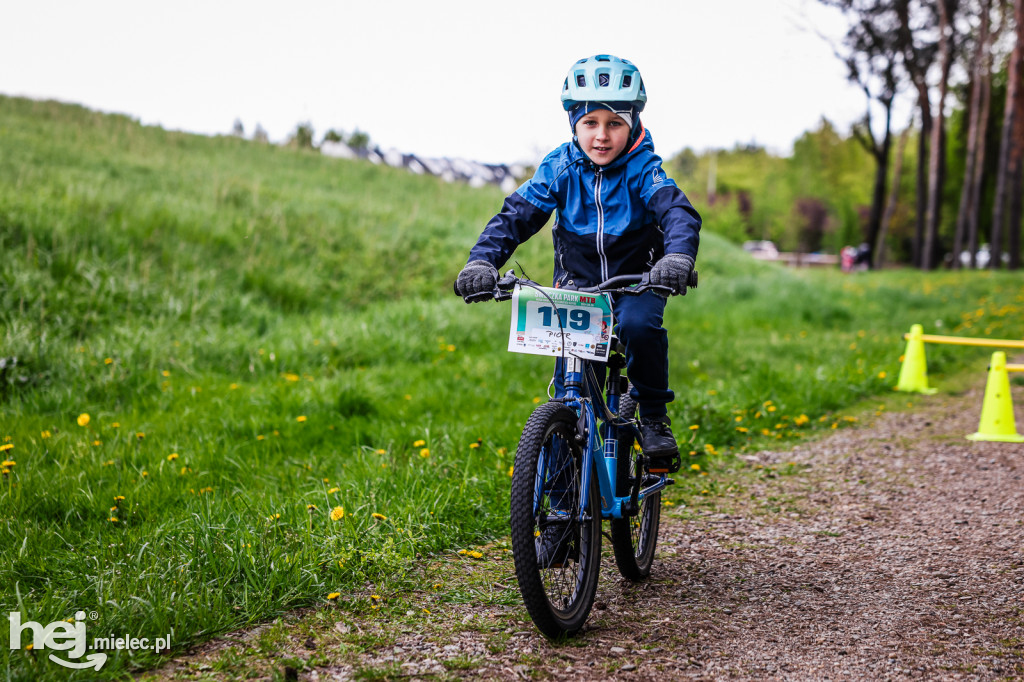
[473, 79]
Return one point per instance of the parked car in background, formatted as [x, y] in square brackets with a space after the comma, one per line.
[982, 258]
[762, 249]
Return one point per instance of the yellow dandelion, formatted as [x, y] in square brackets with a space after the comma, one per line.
[475, 445]
[333, 490]
[261, 437]
[8, 463]
[173, 456]
[882, 375]
[327, 480]
[83, 419]
[801, 420]
[668, 503]
[475, 554]
[45, 434]
[694, 427]
[97, 442]
[301, 418]
[536, 400]
[426, 611]
[407, 396]
[695, 467]
[451, 347]
[337, 514]
[381, 451]
[112, 519]
[311, 507]
[145, 473]
[115, 425]
[379, 517]
[333, 595]
[511, 469]
[140, 435]
[165, 373]
[290, 377]
[108, 361]
[425, 452]
[742, 429]
[274, 517]
[419, 443]
[233, 387]
[118, 498]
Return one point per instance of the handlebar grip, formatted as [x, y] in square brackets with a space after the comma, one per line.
[482, 296]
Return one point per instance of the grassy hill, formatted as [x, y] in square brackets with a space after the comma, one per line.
[242, 383]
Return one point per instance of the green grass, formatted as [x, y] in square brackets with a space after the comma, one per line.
[261, 335]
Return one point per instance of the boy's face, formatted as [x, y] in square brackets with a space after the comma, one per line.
[602, 136]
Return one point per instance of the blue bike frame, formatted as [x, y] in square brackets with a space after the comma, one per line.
[602, 446]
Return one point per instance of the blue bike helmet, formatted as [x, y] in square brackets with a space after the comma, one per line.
[603, 78]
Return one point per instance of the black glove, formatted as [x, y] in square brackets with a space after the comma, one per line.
[477, 277]
[673, 271]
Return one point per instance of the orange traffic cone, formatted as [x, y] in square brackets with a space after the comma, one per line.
[997, 422]
[914, 370]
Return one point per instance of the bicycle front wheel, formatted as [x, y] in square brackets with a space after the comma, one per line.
[635, 537]
[556, 529]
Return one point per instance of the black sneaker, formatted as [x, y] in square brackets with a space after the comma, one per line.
[554, 544]
[659, 445]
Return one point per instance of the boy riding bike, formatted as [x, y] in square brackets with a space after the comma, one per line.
[618, 214]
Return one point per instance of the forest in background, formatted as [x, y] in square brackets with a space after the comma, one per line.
[948, 181]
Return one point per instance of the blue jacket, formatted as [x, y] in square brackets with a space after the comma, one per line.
[612, 220]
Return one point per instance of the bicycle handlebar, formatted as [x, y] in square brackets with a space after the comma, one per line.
[630, 285]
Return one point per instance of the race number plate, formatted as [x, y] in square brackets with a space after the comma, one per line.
[560, 321]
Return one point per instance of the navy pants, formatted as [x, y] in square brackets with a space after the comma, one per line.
[638, 324]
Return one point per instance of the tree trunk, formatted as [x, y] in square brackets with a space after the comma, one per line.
[921, 181]
[1010, 139]
[890, 207]
[917, 63]
[978, 181]
[936, 163]
[878, 193]
[968, 207]
[1016, 174]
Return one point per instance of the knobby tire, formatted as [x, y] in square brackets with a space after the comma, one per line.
[546, 484]
[634, 538]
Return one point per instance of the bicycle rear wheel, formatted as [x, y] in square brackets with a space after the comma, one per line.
[635, 537]
[556, 543]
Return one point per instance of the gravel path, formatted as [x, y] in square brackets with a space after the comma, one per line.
[890, 550]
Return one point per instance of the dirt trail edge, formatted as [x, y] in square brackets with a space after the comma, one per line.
[890, 550]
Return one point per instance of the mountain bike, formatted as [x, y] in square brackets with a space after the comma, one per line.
[580, 457]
